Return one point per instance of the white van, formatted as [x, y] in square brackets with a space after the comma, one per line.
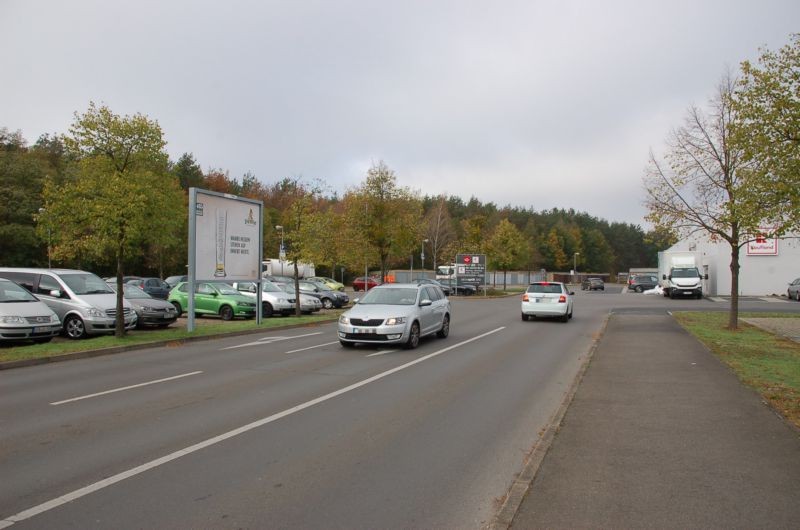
[25, 317]
[82, 300]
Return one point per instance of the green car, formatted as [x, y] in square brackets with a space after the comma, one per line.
[332, 284]
[213, 299]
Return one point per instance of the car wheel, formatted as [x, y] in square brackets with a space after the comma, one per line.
[266, 309]
[178, 308]
[524, 317]
[639, 289]
[74, 327]
[327, 303]
[565, 317]
[445, 331]
[347, 344]
[226, 312]
[797, 296]
[413, 336]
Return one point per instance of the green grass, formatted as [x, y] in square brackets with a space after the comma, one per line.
[768, 363]
[25, 351]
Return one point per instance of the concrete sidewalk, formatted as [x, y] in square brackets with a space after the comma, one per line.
[660, 434]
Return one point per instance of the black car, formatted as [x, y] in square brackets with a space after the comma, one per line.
[328, 297]
[444, 288]
[593, 284]
[155, 287]
[643, 282]
[457, 288]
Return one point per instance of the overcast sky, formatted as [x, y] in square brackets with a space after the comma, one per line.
[528, 103]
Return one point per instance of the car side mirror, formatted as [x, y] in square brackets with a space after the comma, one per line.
[572, 293]
[705, 277]
[425, 302]
[356, 300]
[663, 276]
[56, 293]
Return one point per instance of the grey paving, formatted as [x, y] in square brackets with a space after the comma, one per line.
[660, 434]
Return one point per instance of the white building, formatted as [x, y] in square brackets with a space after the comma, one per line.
[766, 267]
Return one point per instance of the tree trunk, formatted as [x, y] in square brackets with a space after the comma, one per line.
[504, 280]
[297, 308]
[119, 321]
[733, 315]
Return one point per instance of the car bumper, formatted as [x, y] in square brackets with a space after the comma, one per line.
[157, 318]
[374, 334]
[24, 331]
[98, 326]
[545, 309]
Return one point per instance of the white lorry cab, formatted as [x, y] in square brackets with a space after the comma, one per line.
[679, 274]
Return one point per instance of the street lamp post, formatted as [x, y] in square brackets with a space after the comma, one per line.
[575, 264]
[281, 250]
[422, 253]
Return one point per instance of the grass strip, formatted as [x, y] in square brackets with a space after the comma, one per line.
[762, 360]
[24, 351]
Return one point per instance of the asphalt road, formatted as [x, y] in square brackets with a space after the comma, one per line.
[288, 429]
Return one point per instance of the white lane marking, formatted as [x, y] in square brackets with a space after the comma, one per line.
[119, 477]
[715, 299]
[312, 347]
[126, 388]
[382, 352]
[269, 340]
[773, 300]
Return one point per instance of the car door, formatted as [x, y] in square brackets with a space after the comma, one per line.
[205, 300]
[430, 318]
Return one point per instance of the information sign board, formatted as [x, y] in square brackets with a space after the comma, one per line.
[471, 269]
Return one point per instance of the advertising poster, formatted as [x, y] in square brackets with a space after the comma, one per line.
[227, 238]
[763, 246]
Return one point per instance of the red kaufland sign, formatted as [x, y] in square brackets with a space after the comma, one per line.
[763, 246]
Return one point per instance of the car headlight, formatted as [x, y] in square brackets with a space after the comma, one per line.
[93, 312]
[12, 320]
[344, 319]
[395, 320]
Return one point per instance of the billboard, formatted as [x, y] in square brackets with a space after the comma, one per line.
[227, 236]
[762, 245]
[470, 269]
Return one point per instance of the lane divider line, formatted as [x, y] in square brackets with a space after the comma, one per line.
[270, 340]
[121, 389]
[119, 477]
[312, 347]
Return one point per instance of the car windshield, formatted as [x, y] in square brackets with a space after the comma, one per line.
[86, 283]
[390, 296]
[11, 292]
[131, 291]
[685, 273]
[546, 288]
[269, 287]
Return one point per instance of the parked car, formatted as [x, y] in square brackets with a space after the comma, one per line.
[332, 284]
[547, 299]
[82, 300]
[155, 287]
[794, 290]
[172, 281]
[593, 284]
[642, 282]
[273, 298]
[149, 311]
[25, 317]
[445, 289]
[365, 283]
[212, 298]
[308, 304]
[329, 298]
[396, 314]
[463, 289]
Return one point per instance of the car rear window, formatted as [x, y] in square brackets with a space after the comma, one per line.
[552, 288]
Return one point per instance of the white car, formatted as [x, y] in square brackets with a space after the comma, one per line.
[396, 313]
[308, 304]
[273, 298]
[25, 317]
[547, 299]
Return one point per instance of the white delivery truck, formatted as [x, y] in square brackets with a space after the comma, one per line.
[679, 273]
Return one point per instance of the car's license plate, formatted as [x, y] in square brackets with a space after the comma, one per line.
[360, 331]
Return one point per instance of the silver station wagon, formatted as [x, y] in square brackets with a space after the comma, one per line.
[396, 314]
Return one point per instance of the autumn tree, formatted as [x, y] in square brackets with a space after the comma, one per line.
[767, 103]
[506, 248]
[438, 227]
[122, 197]
[704, 186]
[384, 216]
